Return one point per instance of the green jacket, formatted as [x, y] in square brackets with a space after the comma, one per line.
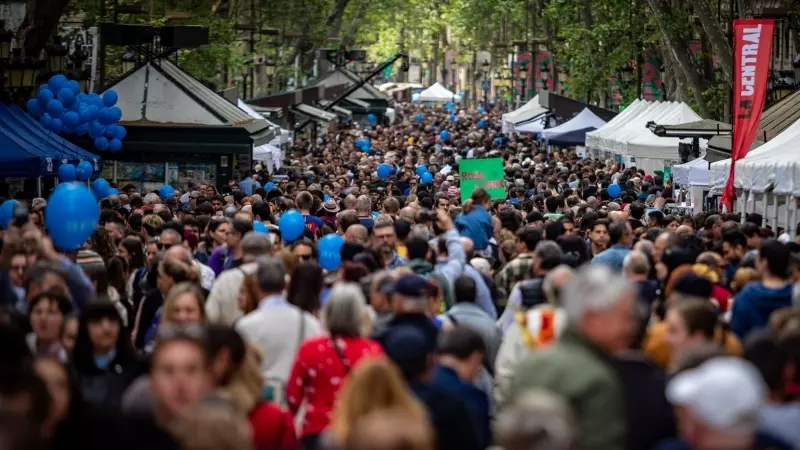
[583, 375]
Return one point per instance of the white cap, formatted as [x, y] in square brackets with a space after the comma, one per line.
[723, 392]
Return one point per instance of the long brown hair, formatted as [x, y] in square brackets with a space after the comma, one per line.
[375, 385]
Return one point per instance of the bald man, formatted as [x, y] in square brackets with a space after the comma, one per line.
[684, 230]
[357, 234]
[408, 214]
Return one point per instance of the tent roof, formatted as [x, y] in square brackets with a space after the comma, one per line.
[525, 112]
[29, 150]
[584, 119]
[314, 113]
[438, 93]
[533, 126]
[694, 172]
[574, 137]
[699, 128]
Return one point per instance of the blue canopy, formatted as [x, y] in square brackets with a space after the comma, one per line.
[30, 150]
[570, 138]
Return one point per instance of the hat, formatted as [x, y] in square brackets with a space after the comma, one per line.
[331, 206]
[722, 392]
[413, 286]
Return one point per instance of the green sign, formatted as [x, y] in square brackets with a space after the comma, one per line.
[482, 173]
[667, 174]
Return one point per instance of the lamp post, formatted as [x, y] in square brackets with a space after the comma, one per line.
[523, 75]
[269, 70]
[56, 56]
[486, 84]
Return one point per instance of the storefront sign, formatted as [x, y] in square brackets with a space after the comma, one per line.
[752, 46]
[486, 174]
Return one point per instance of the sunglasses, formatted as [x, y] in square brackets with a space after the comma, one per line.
[305, 257]
[164, 246]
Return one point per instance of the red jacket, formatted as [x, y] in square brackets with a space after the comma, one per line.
[319, 372]
[273, 428]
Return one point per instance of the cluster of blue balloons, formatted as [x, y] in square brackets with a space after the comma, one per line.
[371, 118]
[71, 215]
[63, 109]
[384, 170]
[365, 145]
[68, 172]
[330, 251]
[614, 190]
[452, 117]
[449, 106]
[291, 225]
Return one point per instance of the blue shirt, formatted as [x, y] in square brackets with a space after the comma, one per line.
[476, 225]
[612, 257]
[248, 186]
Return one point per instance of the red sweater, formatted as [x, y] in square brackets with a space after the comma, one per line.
[318, 374]
[273, 428]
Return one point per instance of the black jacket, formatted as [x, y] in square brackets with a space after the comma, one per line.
[450, 416]
[103, 388]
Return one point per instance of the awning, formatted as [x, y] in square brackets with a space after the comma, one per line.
[705, 128]
[313, 113]
[30, 150]
[338, 110]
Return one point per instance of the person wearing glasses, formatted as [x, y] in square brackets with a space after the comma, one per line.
[305, 250]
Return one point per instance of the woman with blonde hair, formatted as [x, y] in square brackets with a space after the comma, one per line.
[376, 385]
[323, 363]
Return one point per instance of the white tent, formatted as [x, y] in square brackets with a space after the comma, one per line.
[534, 126]
[438, 94]
[692, 173]
[584, 119]
[269, 153]
[628, 139]
[524, 113]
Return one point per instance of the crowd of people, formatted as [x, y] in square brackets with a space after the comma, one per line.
[559, 317]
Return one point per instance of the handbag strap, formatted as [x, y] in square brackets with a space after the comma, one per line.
[340, 354]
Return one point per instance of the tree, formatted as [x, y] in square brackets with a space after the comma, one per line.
[40, 22]
[722, 50]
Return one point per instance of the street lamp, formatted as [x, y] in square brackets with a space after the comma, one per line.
[627, 73]
[5, 40]
[56, 55]
[523, 75]
[129, 60]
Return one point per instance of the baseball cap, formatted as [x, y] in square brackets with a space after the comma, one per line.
[414, 286]
[723, 392]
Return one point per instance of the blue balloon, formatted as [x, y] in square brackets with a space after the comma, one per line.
[166, 192]
[371, 118]
[71, 216]
[330, 251]
[84, 171]
[121, 132]
[421, 170]
[71, 118]
[110, 98]
[95, 130]
[291, 225]
[110, 131]
[74, 86]
[269, 186]
[114, 145]
[100, 188]
[56, 125]
[82, 98]
[101, 143]
[45, 97]
[57, 82]
[453, 117]
[444, 135]
[82, 129]
[7, 213]
[614, 190]
[104, 117]
[66, 173]
[480, 110]
[55, 108]
[94, 112]
[66, 97]
[95, 100]
[46, 120]
[427, 177]
[113, 191]
[481, 124]
[85, 114]
[448, 106]
[68, 129]
[384, 170]
[419, 117]
[259, 227]
[34, 107]
[116, 114]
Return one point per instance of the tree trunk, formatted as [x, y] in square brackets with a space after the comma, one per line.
[746, 9]
[717, 39]
[334, 22]
[40, 22]
[349, 37]
[676, 86]
[678, 48]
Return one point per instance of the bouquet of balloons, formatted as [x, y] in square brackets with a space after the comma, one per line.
[63, 109]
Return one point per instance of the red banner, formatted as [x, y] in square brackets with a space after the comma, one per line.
[752, 46]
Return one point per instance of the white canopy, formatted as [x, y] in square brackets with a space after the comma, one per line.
[628, 138]
[534, 126]
[584, 119]
[776, 164]
[524, 113]
[438, 94]
[692, 173]
[269, 153]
